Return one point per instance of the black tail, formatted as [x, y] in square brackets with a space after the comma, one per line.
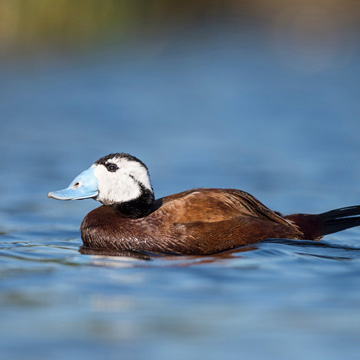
[340, 219]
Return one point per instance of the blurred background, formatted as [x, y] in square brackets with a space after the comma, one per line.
[257, 95]
[207, 93]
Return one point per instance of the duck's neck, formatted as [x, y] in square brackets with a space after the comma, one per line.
[139, 207]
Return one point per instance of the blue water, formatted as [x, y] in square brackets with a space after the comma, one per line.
[208, 110]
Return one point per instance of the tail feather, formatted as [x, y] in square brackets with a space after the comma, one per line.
[314, 227]
[340, 219]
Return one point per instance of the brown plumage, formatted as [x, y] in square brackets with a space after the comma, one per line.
[194, 222]
[199, 221]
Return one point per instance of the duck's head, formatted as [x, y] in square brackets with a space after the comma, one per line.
[114, 179]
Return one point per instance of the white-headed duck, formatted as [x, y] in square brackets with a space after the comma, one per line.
[194, 222]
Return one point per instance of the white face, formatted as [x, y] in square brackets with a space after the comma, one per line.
[119, 180]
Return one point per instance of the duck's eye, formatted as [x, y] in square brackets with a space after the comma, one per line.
[111, 167]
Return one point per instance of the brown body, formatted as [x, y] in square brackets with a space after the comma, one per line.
[199, 221]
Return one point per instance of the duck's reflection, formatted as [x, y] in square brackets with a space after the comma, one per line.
[135, 259]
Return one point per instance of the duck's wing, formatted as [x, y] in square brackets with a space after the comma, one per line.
[205, 221]
[213, 205]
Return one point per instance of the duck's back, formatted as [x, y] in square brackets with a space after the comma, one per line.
[198, 221]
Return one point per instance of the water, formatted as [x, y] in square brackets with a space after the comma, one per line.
[216, 110]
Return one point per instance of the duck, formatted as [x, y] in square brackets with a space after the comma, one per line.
[200, 221]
